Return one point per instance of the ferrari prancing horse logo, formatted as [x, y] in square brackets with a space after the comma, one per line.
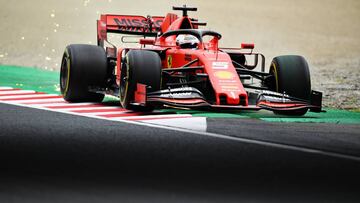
[169, 61]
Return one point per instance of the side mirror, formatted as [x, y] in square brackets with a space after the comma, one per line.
[147, 41]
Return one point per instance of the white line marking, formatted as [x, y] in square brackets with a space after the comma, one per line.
[35, 96]
[36, 100]
[83, 108]
[215, 135]
[103, 113]
[16, 92]
[151, 117]
[63, 104]
[192, 123]
[6, 88]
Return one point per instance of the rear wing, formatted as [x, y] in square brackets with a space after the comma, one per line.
[126, 24]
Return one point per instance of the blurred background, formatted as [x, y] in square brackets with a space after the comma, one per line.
[326, 32]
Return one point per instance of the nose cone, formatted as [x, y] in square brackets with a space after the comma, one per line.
[232, 98]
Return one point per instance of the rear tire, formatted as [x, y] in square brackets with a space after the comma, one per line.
[82, 66]
[142, 67]
[292, 76]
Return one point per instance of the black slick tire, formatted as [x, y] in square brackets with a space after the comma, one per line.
[140, 66]
[292, 77]
[82, 66]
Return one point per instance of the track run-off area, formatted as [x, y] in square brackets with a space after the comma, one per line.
[104, 152]
[30, 83]
[39, 89]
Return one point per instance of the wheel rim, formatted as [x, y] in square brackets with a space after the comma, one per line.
[274, 83]
[64, 72]
[124, 78]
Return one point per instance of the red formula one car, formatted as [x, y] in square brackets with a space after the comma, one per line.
[179, 65]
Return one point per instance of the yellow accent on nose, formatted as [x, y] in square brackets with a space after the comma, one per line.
[224, 75]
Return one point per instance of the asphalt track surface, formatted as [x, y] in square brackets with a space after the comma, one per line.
[54, 157]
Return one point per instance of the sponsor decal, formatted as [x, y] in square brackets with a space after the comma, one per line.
[220, 65]
[275, 99]
[224, 75]
[183, 89]
[180, 94]
[227, 81]
[274, 93]
[169, 61]
[229, 88]
[179, 89]
[135, 24]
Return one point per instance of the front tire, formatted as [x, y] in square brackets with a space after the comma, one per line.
[140, 66]
[291, 76]
[82, 66]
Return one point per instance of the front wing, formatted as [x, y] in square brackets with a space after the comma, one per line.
[189, 97]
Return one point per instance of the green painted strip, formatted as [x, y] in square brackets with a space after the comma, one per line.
[33, 79]
[331, 116]
[48, 81]
[30, 78]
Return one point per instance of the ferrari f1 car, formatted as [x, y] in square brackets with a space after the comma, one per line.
[177, 64]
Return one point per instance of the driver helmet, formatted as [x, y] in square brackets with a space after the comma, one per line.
[187, 41]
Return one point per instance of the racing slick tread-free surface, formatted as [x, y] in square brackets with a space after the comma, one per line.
[82, 66]
[142, 67]
[292, 77]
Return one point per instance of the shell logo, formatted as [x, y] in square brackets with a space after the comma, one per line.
[224, 75]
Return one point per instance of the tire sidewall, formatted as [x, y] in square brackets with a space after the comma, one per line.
[292, 76]
[86, 66]
[142, 66]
